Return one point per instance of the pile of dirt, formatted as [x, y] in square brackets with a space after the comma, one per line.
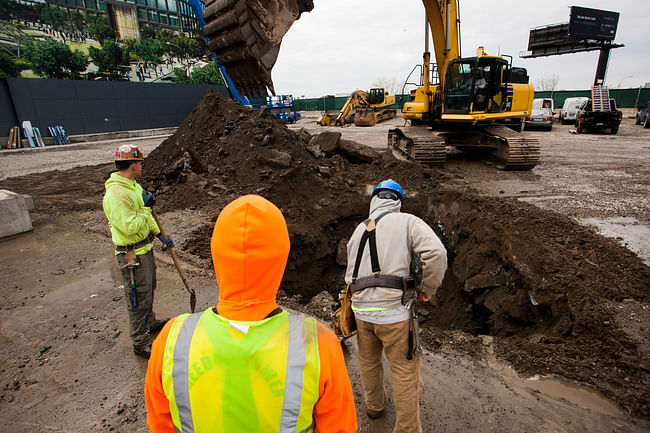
[555, 296]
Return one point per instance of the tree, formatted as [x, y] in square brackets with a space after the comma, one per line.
[390, 85]
[548, 83]
[150, 50]
[5, 10]
[78, 21]
[100, 30]
[112, 58]
[10, 66]
[132, 45]
[180, 76]
[148, 32]
[209, 74]
[199, 48]
[54, 59]
[55, 17]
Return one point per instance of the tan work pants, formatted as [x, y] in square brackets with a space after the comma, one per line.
[405, 374]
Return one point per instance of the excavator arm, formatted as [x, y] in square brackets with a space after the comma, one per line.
[245, 36]
[442, 16]
[357, 99]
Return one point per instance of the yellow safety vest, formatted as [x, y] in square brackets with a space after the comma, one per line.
[233, 376]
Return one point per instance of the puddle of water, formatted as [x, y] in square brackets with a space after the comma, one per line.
[574, 393]
[628, 231]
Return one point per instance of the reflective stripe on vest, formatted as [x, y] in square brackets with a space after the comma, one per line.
[265, 378]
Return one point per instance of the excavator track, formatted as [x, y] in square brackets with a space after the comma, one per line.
[419, 145]
[512, 151]
[245, 36]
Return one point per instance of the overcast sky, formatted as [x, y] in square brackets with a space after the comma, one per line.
[344, 45]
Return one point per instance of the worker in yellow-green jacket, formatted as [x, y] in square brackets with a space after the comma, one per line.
[128, 208]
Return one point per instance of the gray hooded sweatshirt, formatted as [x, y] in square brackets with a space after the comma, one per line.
[399, 235]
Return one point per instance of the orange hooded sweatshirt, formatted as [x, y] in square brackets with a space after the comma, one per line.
[250, 247]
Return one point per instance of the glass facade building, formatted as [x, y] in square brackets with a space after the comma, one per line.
[128, 16]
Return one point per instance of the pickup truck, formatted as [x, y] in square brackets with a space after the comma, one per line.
[643, 116]
[587, 119]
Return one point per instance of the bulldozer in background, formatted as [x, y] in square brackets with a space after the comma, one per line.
[460, 102]
[362, 108]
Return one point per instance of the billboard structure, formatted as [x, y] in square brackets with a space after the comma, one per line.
[587, 30]
[592, 24]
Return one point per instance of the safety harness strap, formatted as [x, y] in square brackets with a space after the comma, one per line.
[375, 280]
[369, 233]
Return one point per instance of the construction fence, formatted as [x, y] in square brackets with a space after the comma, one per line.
[88, 107]
[625, 98]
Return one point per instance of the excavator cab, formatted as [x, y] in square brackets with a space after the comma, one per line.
[476, 84]
[376, 96]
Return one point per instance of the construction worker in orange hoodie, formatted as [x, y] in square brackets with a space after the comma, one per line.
[246, 365]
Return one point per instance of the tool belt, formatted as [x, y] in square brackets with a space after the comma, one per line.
[135, 246]
[390, 281]
[343, 322]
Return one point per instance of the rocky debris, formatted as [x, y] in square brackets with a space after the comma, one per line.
[326, 141]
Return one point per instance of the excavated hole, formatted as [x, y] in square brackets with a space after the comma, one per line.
[483, 292]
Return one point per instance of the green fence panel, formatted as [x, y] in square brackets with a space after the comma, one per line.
[625, 98]
[335, 103]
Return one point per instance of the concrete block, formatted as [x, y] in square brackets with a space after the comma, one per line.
[29, 202]
[14, 216]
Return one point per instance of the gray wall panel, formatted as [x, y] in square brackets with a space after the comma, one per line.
[99, 124]
[82, 107]
[8, 117]
[130, 107]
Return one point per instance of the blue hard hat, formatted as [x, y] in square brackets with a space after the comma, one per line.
[390, 185]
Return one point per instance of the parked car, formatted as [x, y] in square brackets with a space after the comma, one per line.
[643, 116]
[541, 115]
[587, 119]
[570, 109]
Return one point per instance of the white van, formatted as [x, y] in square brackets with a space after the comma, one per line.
[570, 109]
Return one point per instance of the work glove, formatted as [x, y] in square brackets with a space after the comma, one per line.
[169, 243]
[148, 199]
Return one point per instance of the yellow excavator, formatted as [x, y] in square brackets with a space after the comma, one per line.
[362, 108]
[463, 102]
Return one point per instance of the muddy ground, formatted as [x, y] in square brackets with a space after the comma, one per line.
[543, 322]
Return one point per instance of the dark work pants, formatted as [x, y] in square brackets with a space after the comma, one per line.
[142, 317]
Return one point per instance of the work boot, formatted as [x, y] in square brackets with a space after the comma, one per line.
[157, 325]
[144, 352]
[374, 414]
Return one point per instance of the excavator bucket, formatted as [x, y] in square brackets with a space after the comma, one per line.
[370, 117]
[245, 36]
[326, 119]
[365, 117]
